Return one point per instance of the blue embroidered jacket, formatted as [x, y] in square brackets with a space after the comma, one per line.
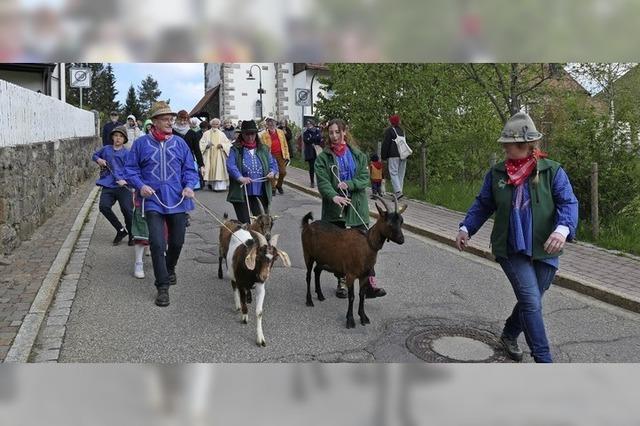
[167, 167]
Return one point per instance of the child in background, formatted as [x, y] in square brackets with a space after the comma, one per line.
[376, 168]
[111, 159]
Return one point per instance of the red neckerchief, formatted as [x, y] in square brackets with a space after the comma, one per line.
[249, 145]
[519, 170]
[339, 149]
[377, 164]
[160, 136]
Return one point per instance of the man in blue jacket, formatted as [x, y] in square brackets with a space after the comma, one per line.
[161, 167]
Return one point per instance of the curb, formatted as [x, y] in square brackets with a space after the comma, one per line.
[28, 332]
[561, 279]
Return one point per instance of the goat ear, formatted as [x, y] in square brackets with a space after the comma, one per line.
[252, 218]
[285, 257]
[274, 240]
[380, 211]
[402, 208]
[250, 260]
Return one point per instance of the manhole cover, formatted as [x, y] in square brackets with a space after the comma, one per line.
[461, 348]
[456, 344]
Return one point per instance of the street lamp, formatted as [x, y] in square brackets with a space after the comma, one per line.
[312, 78]
[260, 89]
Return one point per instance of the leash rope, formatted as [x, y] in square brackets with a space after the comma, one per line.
[345, 195]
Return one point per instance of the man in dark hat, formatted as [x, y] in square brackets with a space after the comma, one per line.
[250, 164]
[109, 126]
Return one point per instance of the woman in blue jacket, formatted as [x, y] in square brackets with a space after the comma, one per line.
[536, 212]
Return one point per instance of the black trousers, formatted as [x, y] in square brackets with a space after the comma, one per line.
[241, 208]
[163, 264]
[108, 198]
[312, 169]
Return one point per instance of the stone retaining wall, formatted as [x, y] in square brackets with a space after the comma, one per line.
[35, 179]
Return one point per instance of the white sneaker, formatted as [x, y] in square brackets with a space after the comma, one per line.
[138, 272]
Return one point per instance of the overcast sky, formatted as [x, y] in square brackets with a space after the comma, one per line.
[182, 83]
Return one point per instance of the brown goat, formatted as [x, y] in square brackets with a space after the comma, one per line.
[348, 252]
[251, 257]
[261, 223]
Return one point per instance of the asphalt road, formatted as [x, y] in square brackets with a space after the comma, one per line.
[114, 319]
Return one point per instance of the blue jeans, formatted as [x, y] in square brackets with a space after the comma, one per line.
[163, 264]
[529, 281]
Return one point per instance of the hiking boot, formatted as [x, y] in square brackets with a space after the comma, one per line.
[120, 236]
[138, 271]
[173, 279]
[187, 221]
[373, 291]
[130, 243]
[341, 290]
[280, 191]
[399, 195]
[511, 346]
[162, 299]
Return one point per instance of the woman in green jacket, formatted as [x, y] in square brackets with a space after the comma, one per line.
[342, 174]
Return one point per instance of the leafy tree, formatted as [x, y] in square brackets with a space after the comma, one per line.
[509, 86]
[132, 105]
[103, 94]
[148, 93]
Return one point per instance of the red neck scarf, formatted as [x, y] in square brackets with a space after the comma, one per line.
[519, 170]
[159, 135]
[249, 145]
[339, 149]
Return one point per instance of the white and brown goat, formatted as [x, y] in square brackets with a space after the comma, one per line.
[251, 257]
[261, 223]
[348, 252]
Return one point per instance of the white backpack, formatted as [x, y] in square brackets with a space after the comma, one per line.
[403, 147]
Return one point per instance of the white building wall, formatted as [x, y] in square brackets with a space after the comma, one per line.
[245, 92]
[22, 110]
[238, 95]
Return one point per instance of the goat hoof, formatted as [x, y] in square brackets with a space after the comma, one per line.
[219, 275]
[309, 303]
[364, 320]
[321, 297]
[262, 343]
[351, 323]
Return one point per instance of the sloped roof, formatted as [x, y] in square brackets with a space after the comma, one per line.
[208, 96]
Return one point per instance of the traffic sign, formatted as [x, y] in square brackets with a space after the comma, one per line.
[303, 97]
[80, 77]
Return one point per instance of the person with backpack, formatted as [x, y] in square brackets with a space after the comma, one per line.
[395, 152]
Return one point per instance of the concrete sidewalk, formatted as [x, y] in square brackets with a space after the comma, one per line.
[23, 273]
[603, 274]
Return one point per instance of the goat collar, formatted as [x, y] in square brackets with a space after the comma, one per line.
[370, 235]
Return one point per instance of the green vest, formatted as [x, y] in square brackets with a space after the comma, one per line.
[236, 192]
[543, 208]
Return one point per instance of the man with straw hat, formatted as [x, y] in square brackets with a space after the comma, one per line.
[161, 167]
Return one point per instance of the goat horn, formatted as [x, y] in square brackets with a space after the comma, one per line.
[261, 206]
[386, 206]
[395, 202]
[262, 241]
